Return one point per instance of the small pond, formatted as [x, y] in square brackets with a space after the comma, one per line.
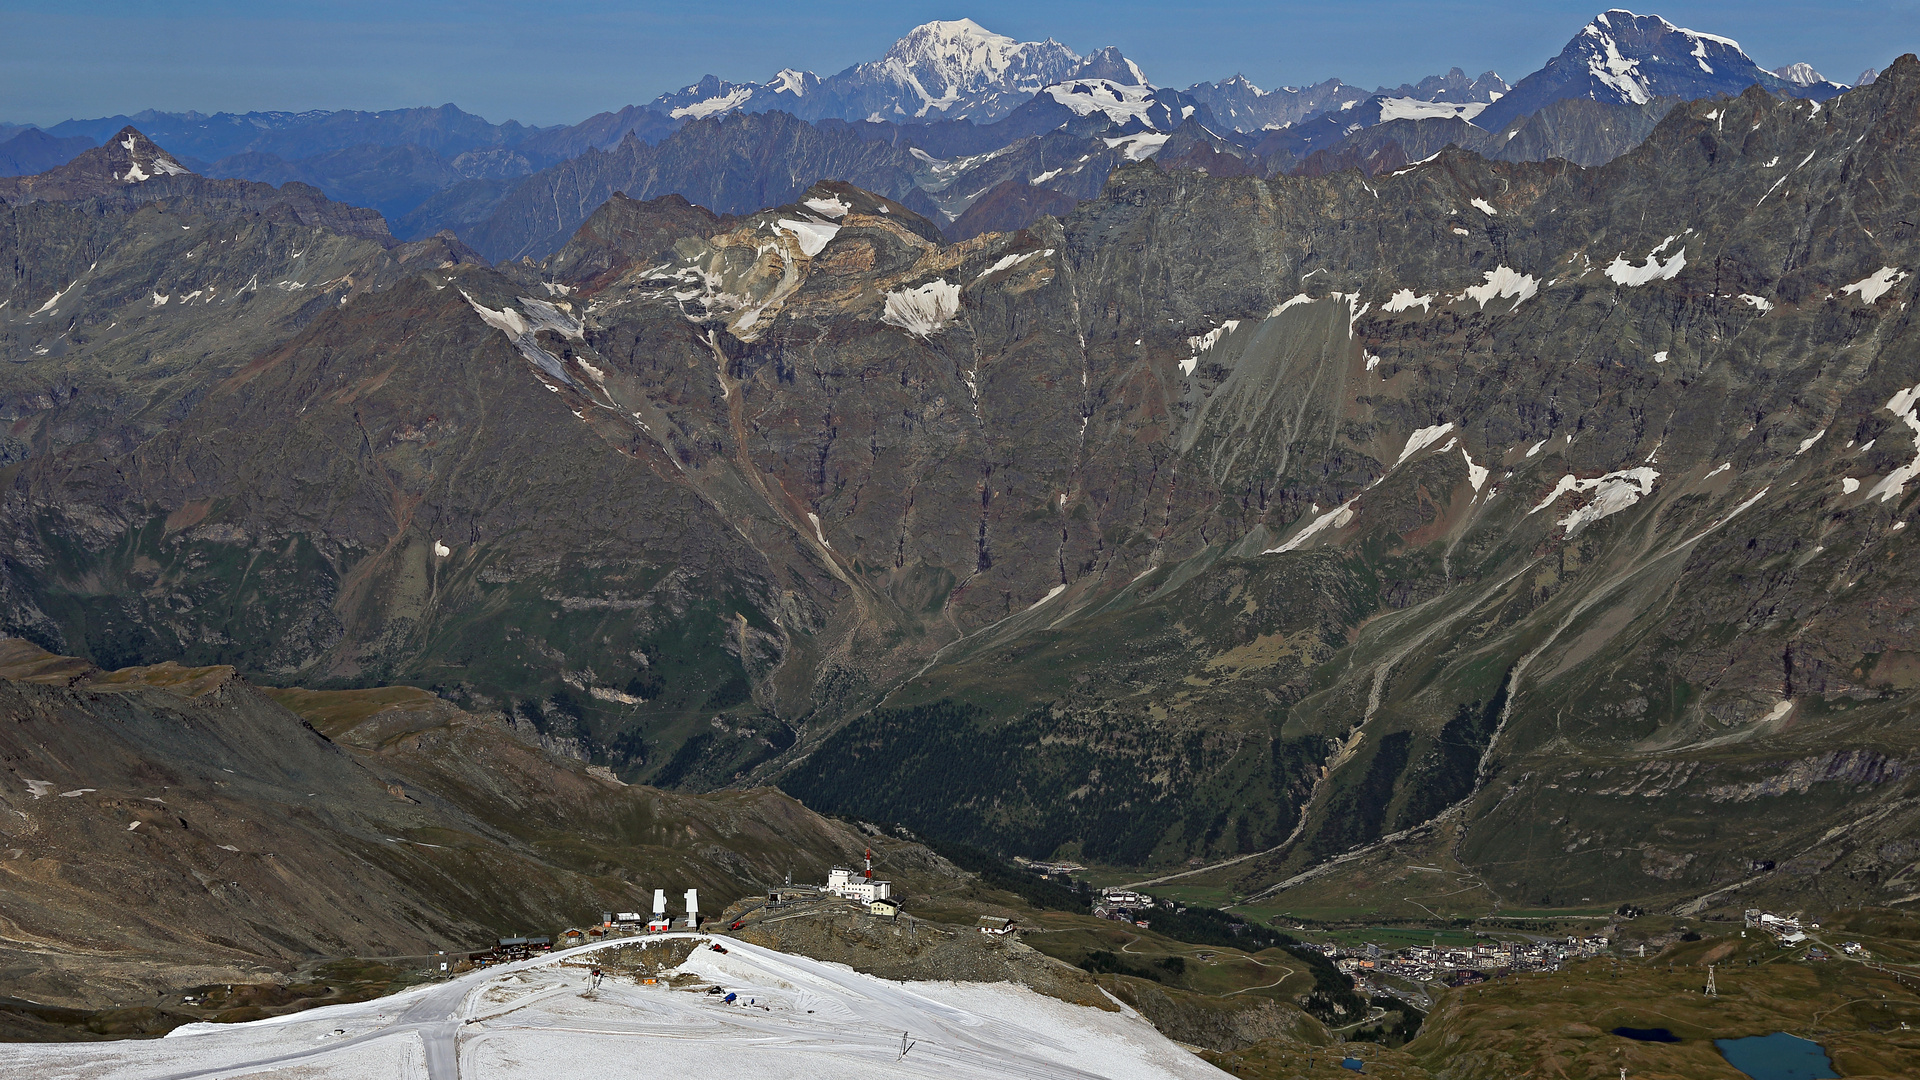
[1778, 1056]
[1646, 1034]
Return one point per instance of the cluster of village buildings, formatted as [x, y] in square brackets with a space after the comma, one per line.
[1421, 963]
[1471, 963]
[1125, 905]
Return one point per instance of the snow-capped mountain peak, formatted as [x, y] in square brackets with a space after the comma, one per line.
[1108, 64]
[1801, 74]
[793, 82]
[959, 45]
[133, 158]
[1628, 59]
[1617, 42]
[936, 71]
[947, 65]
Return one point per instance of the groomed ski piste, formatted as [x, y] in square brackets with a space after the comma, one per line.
[793, 1017]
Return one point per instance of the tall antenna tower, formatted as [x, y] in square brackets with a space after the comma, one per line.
[869, 864]
[1712, 990]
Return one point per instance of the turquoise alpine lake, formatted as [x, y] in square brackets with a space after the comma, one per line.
[1778, 1056]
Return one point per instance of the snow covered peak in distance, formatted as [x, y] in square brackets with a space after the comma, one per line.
[1624, 58]
[1242, 106]
[1866, 77]
[132, 157]
[1454, 86]
[716, 95]
[937, 71]
[959, 68]
[1108, 64]
[1801, 74]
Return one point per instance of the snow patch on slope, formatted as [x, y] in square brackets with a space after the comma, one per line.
[1422, 439]
[1198, 345]
[1118, 101]
[835, 208]
[1138, 147]
[925, 310]
[1503, 282]
[521, 333]
[1906, 406]
[1613, 493]
[1415, 109]
[1404, 300]
[1007, 262]
[1622, 272]
[54, 299]
[1875, 285]
[811, 235]
[1336, 518]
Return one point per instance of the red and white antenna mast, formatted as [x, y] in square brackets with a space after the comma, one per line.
[869, 864]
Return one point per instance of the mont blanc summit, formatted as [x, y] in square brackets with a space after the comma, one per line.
[936, 71]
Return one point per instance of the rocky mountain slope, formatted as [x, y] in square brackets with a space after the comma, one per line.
[1223, 517]
[1549, 523]
[1578, 130]
[171, 827]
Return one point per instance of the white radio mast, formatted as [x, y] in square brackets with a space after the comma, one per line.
[693, 906]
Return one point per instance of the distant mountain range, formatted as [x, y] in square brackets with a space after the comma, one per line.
[1287, 496]
[964, 112]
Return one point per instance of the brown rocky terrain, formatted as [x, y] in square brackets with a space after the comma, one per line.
[168, 828]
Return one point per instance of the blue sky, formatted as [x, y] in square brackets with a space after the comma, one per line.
[560, 62]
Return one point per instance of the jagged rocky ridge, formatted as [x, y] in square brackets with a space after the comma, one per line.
[1225, 515]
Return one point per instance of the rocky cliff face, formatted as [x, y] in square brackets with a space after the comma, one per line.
[1224, 516]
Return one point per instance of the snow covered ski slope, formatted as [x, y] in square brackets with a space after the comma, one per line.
[793, 1018]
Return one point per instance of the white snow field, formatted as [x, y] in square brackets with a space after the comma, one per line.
[794, 1018]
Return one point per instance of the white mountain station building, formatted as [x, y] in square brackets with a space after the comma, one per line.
[850, 884]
